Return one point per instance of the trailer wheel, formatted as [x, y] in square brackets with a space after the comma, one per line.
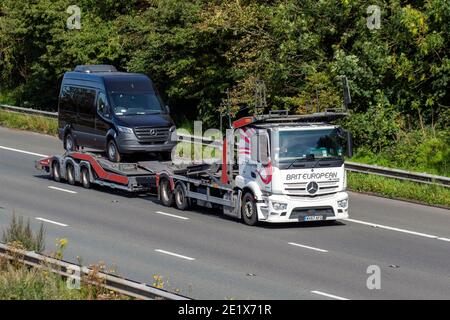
[181, 201]
[56, 171]
[85, 179]
[70, 173]
[249, 210]
[165, 194]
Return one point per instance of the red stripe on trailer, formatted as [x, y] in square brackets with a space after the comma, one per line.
[224, 177]
[101, 173]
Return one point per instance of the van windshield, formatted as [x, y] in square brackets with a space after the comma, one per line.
[135, 103]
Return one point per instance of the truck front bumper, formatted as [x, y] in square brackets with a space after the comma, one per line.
[282, 208]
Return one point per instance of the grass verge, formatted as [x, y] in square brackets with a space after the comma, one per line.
[21, 282]
[34, 123]
[397, 189]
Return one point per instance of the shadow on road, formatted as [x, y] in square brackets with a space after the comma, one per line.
[214, 212]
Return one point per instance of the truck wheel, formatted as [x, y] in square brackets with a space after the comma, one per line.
[69, 142]
[70, 174]
[165, 156]
[181, 201]
[112, 151]
[56, 171]
[249, 210]
[85, 178]
[165, 194]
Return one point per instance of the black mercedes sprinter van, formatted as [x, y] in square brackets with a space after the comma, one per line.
[116, 112]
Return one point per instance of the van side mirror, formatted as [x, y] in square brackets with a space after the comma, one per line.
[167, 108]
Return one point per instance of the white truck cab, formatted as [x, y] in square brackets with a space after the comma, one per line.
[294, 169]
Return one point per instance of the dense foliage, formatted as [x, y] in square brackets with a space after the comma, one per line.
[194, 50]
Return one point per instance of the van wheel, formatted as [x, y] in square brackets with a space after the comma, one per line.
[70, 173]
[56, 171]
[249, 210]
[165, 194]
[181, 201]
[69, 142]
[85, 178]
[112, 151]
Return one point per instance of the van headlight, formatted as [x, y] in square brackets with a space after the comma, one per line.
[279, 206]
[125, 130]
[342, 203]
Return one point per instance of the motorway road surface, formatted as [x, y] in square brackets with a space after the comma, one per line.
[205, 255]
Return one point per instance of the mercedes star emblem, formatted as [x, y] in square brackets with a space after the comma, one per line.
[152, 132]
[312, 187]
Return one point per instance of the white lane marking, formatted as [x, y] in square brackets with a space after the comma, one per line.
[25, 152]
[328, 295]
[172, 215]
[60, 189]
[307, 247]
[430, 236]
[54, 222]
[174, 254]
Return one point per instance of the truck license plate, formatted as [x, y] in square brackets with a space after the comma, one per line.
[313, 218]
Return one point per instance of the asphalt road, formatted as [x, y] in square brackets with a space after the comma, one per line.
[205, 255]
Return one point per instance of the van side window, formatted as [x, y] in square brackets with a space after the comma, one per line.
[68, 101]
[85, 99]
[102, 105]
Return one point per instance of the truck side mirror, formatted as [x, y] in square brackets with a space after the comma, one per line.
[263, 149]
[349, 144]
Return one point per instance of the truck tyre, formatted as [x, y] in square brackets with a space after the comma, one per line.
[56, 171]
[181, 201]
[85, 178]
[112, 151]
[70, 174]
[166, 156]
[69, 142]
[165, 194]
[249, 210]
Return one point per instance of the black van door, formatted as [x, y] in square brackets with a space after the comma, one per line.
[102, 120]
[85, 125]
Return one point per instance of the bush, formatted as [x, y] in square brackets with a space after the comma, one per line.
[422, 151]
[20, 232]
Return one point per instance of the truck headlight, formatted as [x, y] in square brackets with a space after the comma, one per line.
[124, 130]
[279, 206]
[342, 203]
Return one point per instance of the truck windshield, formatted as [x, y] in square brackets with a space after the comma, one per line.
[135, 103]
[310, 145]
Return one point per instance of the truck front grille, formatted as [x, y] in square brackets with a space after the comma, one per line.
[299, 189]
[152, 134]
